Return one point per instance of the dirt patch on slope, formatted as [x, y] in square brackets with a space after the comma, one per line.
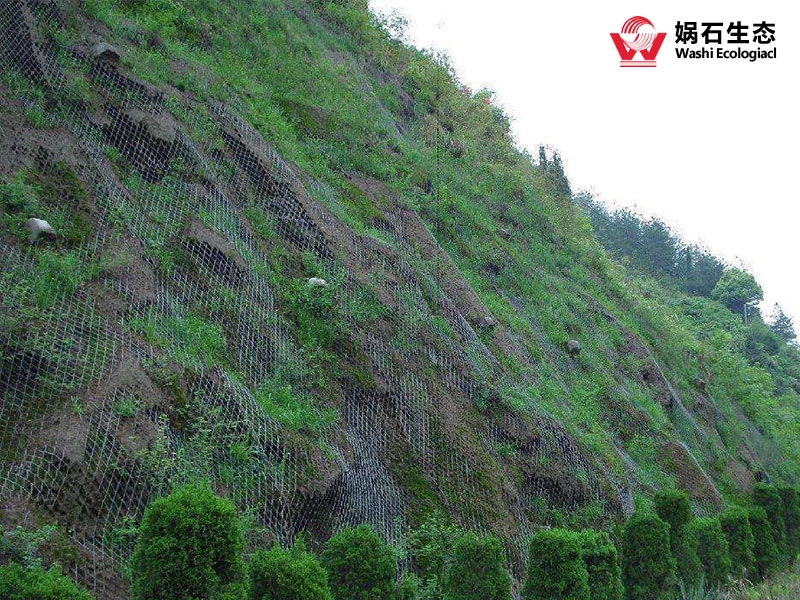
[216, 254]
[650, 374]
[21, 142]
[450, 279]
[691, 477]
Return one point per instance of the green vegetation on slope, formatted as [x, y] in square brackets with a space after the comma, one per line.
[668, 390]
[336, 93]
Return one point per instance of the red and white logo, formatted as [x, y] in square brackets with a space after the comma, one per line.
[638, 35]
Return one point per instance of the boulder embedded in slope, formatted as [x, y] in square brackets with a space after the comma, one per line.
[39, 227]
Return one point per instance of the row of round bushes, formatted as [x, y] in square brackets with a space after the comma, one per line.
[669, 547]
[190, 546]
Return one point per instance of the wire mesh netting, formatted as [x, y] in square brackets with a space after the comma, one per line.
[152, 374]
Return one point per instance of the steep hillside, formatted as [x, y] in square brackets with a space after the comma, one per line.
[200, 163]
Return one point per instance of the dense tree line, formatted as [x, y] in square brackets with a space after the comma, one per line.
[652, 247]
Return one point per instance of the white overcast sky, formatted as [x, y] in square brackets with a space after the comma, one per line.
[711, 147]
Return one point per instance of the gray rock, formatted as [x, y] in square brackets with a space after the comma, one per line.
[161, 126]
[106, 52]
[488, 321]
[573, 347]
[317, 282]
[37, 227]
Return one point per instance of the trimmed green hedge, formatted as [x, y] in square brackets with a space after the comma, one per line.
[600, 558]
[735, 525]
[648, 567]
[673, 507]
[712, 549]
[556, 570]
[689, 567]
[791, 518]
[360, 565]
[20, 583]
[768, 498]
[476, 570]
[190, 546]
[293, 574]
[765, 548]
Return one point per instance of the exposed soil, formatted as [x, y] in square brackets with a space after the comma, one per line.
[434, 386]
[650, 374]
[216, 254]
[22, 143]
[690, 476]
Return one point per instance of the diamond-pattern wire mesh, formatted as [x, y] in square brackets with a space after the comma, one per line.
[167, 187]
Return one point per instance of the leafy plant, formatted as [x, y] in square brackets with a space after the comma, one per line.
[190, 545]
[648, 567]
[18, 196]
[556, 570]
[360, 565]
[34, 583]
[430, 549]
[476, 570]
[288, 574]
[126, 407]
[22, 545]
[409, 588]
[125, 533]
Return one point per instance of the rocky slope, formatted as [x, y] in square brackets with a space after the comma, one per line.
[169, 331]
